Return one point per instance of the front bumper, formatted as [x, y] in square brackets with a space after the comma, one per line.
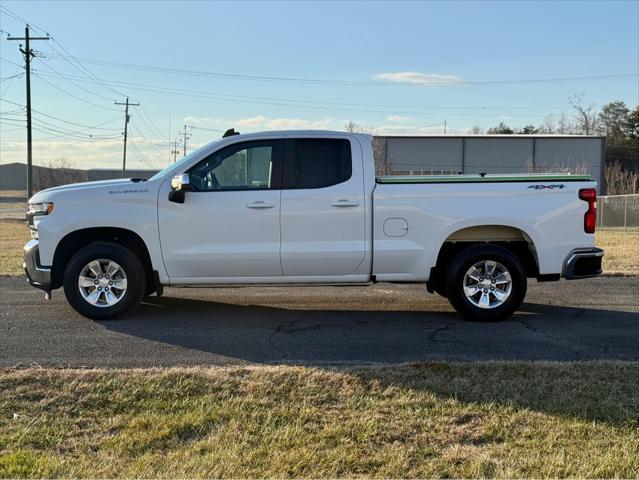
[37, 275]
[583, 263]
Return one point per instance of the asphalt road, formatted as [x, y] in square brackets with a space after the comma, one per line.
[579, 320]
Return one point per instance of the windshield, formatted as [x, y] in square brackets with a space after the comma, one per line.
[177, 165]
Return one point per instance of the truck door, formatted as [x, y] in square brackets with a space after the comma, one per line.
[323, 210]
[229, 225]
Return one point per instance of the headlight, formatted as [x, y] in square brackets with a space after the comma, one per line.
[44, 208]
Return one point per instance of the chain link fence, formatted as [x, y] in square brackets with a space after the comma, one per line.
[618, 212]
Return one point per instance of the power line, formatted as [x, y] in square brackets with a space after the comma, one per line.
[140, 156]
[66, 92]
[261, 78]
[10, 80]
[148, 142]
[11, 62]
[68, 57]
[68, 131]
[74, 83]
[302, 101]
[82, 69]
[80, 124]
[150, 125]
[284, 103]
[11, 77]
[11, 102]
[56, 132]
[20, 19]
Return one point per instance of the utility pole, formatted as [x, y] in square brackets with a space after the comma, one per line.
[184, 139]
[27, 67]
[445, 126]
[127, 117]
[174, 150]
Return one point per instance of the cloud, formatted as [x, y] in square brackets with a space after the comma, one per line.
[418, 77]
[262, 122]
[398, 118]
[410, 130]
[201, 120]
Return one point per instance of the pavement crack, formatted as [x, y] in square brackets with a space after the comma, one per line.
[537, 331]
[432, 337]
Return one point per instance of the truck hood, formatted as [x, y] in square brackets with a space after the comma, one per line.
[45, 195]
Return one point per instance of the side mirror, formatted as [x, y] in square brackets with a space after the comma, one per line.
[181, 182]
[179, 185]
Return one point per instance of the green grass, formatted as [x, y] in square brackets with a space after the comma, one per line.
[427, 420]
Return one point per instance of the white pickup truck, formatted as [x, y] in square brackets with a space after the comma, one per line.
[305, 207]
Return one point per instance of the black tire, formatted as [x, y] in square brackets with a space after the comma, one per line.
[471, 256]
[129, 263]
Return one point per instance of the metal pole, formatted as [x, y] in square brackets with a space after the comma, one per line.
[127, 104]
[27, 66]
[126, 129]
[27, 59]
[625, 213]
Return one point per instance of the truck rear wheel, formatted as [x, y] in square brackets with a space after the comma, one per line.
[486, 282]
[104, 280]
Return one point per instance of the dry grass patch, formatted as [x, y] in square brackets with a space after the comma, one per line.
[621, 251]
[13, 235]
[430, 420]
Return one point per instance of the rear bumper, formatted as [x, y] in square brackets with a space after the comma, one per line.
[583, 263]
[37, 275]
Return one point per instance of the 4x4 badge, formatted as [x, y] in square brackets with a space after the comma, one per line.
[541, 187]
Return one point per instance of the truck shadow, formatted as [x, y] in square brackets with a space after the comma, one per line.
[232, 333]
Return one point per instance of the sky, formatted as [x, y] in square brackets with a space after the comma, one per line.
[395, 67]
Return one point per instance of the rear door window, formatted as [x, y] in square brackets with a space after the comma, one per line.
[317, 162]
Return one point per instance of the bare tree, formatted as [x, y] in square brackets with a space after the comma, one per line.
[548, 125]
[354, 127]
[564, 124]
[60, 171]
[379, 145]
[585, 115]
[476, 130]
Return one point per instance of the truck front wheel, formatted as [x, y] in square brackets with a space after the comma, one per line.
[486, 282]
[104, 280]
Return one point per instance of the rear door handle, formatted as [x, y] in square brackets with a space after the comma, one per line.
[345, 203]
[260, 204]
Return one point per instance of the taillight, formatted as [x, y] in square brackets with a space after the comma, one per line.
[590, 217]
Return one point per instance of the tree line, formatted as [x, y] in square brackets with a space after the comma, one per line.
[615, 120]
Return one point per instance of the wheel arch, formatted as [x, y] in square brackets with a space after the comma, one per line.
[513, 238]
[122, 236]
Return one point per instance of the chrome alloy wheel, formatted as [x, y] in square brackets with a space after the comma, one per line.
[102, 283]
[487, 284]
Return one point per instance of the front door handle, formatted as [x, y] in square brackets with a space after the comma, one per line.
[345, 203]
[260, 204]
